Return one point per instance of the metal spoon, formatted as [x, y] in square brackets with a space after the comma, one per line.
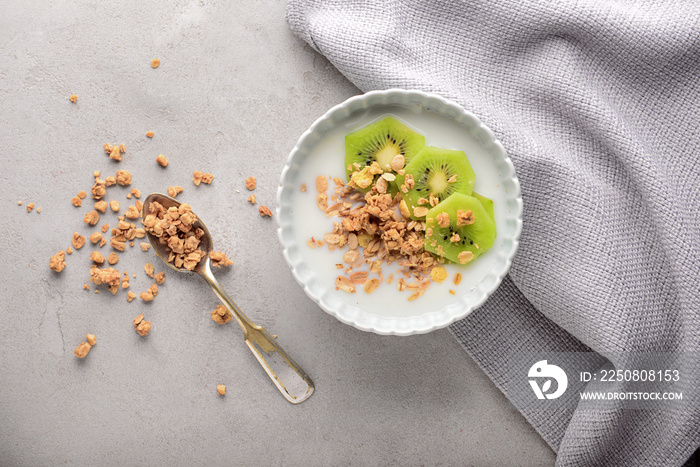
[294, 384]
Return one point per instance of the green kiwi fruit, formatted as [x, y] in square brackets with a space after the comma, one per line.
[474, 238]
[380, 142]
[441, 172]
[486, 203]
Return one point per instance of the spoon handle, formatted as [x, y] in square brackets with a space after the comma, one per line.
[291, 380]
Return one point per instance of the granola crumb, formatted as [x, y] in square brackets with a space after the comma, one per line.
[113, 258]
[123, 177]
[174, 190]
[149, 134]
[101, 206]
[38, 210]
[201, 177]
[250, 183]
[77, 202]
[57, 261]
[82, 350]
[30, 206]
[221, 314]
[82, 194]
[91, 339]
[264, 211]
[321, 184]
[69, 250]
[142, 326]
[97, 257]
[77, 241]
[92, 218]
[86, 287]
[108, 276]
[19, 203]
[219, 259]
[73, 98]
[145, 246]
[147, 296]
[159, 278]
[115, 151]
[221, 389]
[155, 63]
[452, 292]
[130, 296]
[457, 279]
[438, 274]
[114, 205]
[105, 228]
[136, 193]
[251, 199]
[149, 269]
[465, 256]
[303, 189]
[465, 217]
[162, 160]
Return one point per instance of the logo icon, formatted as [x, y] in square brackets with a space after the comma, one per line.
[544, 370]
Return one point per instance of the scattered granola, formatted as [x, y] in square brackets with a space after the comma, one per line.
[174, 190]
[221, 314]
[115, 151]
[159, 278]
[69, 250]
[142, 326]
[145, 246]
[101, 206]
[201, 177]
[57, 261]
[162, 160]
[264, 211]
[77, 241]
[73, 98]
[123, 177]
[457, 279]
[113, 258]
[77, 202]
[109, 276]
[221, 389]
[149, 294]
[114, 205]
[303, 187]
[30, 206]
[155, 63]
[82, 350]
[130, 296]
[149, 269]
[97, 257]
[149, 134]
[19, 203]
[219, 259]
[250, 183]
[92, 218]
[91, 339]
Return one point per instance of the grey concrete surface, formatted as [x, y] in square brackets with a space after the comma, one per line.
[233, 93]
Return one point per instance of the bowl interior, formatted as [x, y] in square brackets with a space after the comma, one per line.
[321, 151]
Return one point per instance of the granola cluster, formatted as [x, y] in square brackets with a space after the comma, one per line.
[174, 227]
[377, 229]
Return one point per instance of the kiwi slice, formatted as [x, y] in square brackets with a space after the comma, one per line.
[459, 229]
[380, 142]
[441, 172]
[486, 203]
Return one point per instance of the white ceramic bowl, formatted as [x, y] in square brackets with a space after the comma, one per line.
[321, 151]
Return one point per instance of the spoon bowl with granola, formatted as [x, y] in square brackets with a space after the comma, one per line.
[184, 243]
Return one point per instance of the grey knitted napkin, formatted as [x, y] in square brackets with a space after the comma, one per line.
[598, 104]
